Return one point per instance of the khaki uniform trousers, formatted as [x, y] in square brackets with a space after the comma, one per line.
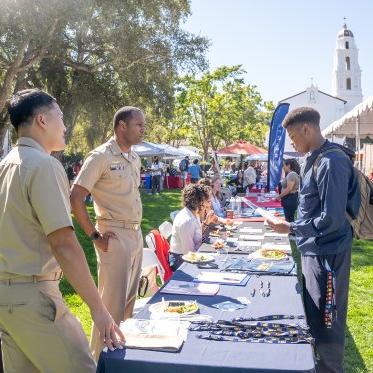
[38, 332]
[119, 272]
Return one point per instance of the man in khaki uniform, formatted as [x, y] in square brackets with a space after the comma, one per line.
[111, 173]
[39, 334]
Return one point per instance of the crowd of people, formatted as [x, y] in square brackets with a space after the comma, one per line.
[38, 241]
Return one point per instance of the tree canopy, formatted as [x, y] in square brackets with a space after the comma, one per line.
[96, 55]
[218, 108]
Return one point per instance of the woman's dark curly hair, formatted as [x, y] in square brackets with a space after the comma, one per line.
[194, 195]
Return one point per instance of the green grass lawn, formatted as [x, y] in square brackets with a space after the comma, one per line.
[359, 335]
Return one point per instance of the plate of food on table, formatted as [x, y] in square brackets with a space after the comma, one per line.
[270, 254]
[174, 307]
[218, 244]
[194, 258]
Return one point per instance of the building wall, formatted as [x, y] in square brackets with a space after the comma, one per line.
[330, 108]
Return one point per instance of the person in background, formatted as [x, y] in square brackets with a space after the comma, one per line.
[217, 219]
[233, 167]
[70, 173]
[163, 176]
[187, 227]
[238, 182]
[214, 167]
[172, 171]
[195, 172]
[249, 175]
[370, 175]
[156, 169]
[259, 171]
[323, 233]
[216, 197]
[77, 166]
[289, 188]
[184, 168]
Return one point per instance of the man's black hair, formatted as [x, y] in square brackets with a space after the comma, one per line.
[125, 114]
[302, 115]
[24, 104]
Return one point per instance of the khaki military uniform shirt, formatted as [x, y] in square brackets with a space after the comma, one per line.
[113, 179]
[34, 202]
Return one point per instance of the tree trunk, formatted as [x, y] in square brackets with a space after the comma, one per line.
[3, 131]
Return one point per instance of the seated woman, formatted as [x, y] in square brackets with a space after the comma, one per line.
[238, 182]
[187, 227]
[215, 219]
[216, 198]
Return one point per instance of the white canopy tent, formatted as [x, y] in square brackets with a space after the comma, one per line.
[170, 152]
[356, 123]
[257, 157]
[147, 149]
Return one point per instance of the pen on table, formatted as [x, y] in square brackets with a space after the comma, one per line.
[230, 279]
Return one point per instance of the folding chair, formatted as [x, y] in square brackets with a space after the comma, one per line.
[173, 214]
[165, 229]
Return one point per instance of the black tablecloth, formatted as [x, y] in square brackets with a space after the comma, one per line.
[204, 356]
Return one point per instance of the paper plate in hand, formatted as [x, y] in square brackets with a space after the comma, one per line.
[194, 258]
[174, 308]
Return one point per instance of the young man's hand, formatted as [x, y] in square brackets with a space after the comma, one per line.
[279, 227]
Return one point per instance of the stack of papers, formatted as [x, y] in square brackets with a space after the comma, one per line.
[251, 237]
[249, 244]
[226, 278]
[251, 230]
[190, 288]
[274, 234]
[159, 335]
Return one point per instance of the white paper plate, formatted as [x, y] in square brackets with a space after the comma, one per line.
[159, 308]
[207, 258]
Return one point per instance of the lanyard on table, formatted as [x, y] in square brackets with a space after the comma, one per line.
[269, 317]
[256, 333]
[272, 340]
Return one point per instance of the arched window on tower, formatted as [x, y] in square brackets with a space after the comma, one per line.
[348, 63]
[347, 45]
[348, 84]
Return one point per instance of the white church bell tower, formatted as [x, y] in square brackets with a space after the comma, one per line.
[346, 80]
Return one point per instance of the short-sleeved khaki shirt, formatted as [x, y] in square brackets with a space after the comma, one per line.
[34, 202]
[113, 179]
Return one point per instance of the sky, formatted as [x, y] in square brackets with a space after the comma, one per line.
[283, 44]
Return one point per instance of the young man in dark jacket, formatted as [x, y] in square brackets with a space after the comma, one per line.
[329, 191]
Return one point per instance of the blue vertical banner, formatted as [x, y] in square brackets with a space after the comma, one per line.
[276, 146]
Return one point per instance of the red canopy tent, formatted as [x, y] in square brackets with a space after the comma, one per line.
[240, 148]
